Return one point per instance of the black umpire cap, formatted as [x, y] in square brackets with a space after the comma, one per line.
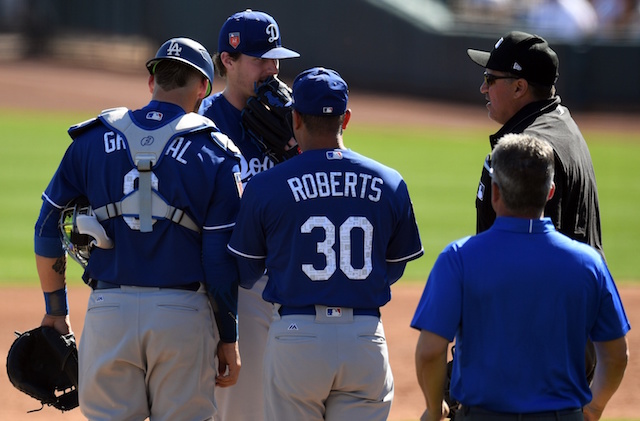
[525, 55]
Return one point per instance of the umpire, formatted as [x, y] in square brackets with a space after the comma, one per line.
[162, 183]
[519, 86]
[521, 327]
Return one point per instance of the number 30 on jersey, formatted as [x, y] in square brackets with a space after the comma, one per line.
[344, 237]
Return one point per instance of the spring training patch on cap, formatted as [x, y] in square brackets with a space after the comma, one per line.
[234, 39]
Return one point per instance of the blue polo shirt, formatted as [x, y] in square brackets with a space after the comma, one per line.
[521, 300]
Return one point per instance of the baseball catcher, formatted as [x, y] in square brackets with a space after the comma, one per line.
[44, 364]
[267, 119]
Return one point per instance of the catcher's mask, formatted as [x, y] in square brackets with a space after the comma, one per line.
[80, 231]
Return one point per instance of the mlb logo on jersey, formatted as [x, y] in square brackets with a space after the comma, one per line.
[334, 155]
[234, 39]
[334, 312]
[154, 115]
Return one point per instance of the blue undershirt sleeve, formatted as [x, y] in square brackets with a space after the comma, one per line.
[221, 280]
[46, 239]
[395, 271]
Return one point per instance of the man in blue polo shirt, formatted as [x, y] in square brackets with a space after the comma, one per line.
[520, 323]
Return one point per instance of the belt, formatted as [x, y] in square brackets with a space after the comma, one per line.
[194, 286]
[503, 416]
[311, 310]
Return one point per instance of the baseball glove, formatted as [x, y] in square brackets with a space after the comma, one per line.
[267, 119]
[44, 364]
[454, 405]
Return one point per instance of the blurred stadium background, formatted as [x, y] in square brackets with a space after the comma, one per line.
[410, 47]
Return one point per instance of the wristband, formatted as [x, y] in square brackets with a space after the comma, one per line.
[56, 303]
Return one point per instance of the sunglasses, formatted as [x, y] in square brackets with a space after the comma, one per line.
[490, 79]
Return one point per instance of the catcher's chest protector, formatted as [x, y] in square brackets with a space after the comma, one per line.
[141, 206]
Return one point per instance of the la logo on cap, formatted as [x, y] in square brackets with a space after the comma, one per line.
[234, 39]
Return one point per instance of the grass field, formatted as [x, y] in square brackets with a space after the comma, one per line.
[441, 167]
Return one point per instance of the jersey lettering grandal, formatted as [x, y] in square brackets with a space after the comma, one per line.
[336, 184]
[191, 165]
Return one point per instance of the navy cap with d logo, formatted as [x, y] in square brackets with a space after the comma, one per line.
[255, 34]
[522, 54]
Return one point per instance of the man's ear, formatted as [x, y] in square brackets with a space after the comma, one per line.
[151, 82]
[204, 88]
[521, 87]
[495, 192]
[297, 121]
[347, 117]
[226, 59]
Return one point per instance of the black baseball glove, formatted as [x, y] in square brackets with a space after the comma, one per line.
[44, 364]
[454, 405]
[267, 119]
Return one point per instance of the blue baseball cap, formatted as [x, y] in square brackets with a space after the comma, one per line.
[255, 34]
[320, 91]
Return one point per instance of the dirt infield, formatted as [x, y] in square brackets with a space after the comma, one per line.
[46, 86]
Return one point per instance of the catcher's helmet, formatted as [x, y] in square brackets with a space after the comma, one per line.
[188, 52]
[80, 231]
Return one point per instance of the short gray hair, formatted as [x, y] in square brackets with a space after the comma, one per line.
[523, 168]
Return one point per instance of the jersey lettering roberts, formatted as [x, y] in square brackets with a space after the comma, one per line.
[329, 223]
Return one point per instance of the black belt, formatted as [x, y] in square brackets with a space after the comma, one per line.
[194, 286]
[311, 310]
[483, 414]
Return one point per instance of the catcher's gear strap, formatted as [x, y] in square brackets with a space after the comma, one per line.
[145, 148]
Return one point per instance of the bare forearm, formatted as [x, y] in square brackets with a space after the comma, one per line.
[51, 271]
[431, 368]
[612, 362]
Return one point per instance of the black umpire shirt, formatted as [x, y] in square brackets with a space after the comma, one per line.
[574, 208]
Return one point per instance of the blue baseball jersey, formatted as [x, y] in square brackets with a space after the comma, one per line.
[194, 173]
[521, 321]
[229, 121]
[329, 225]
